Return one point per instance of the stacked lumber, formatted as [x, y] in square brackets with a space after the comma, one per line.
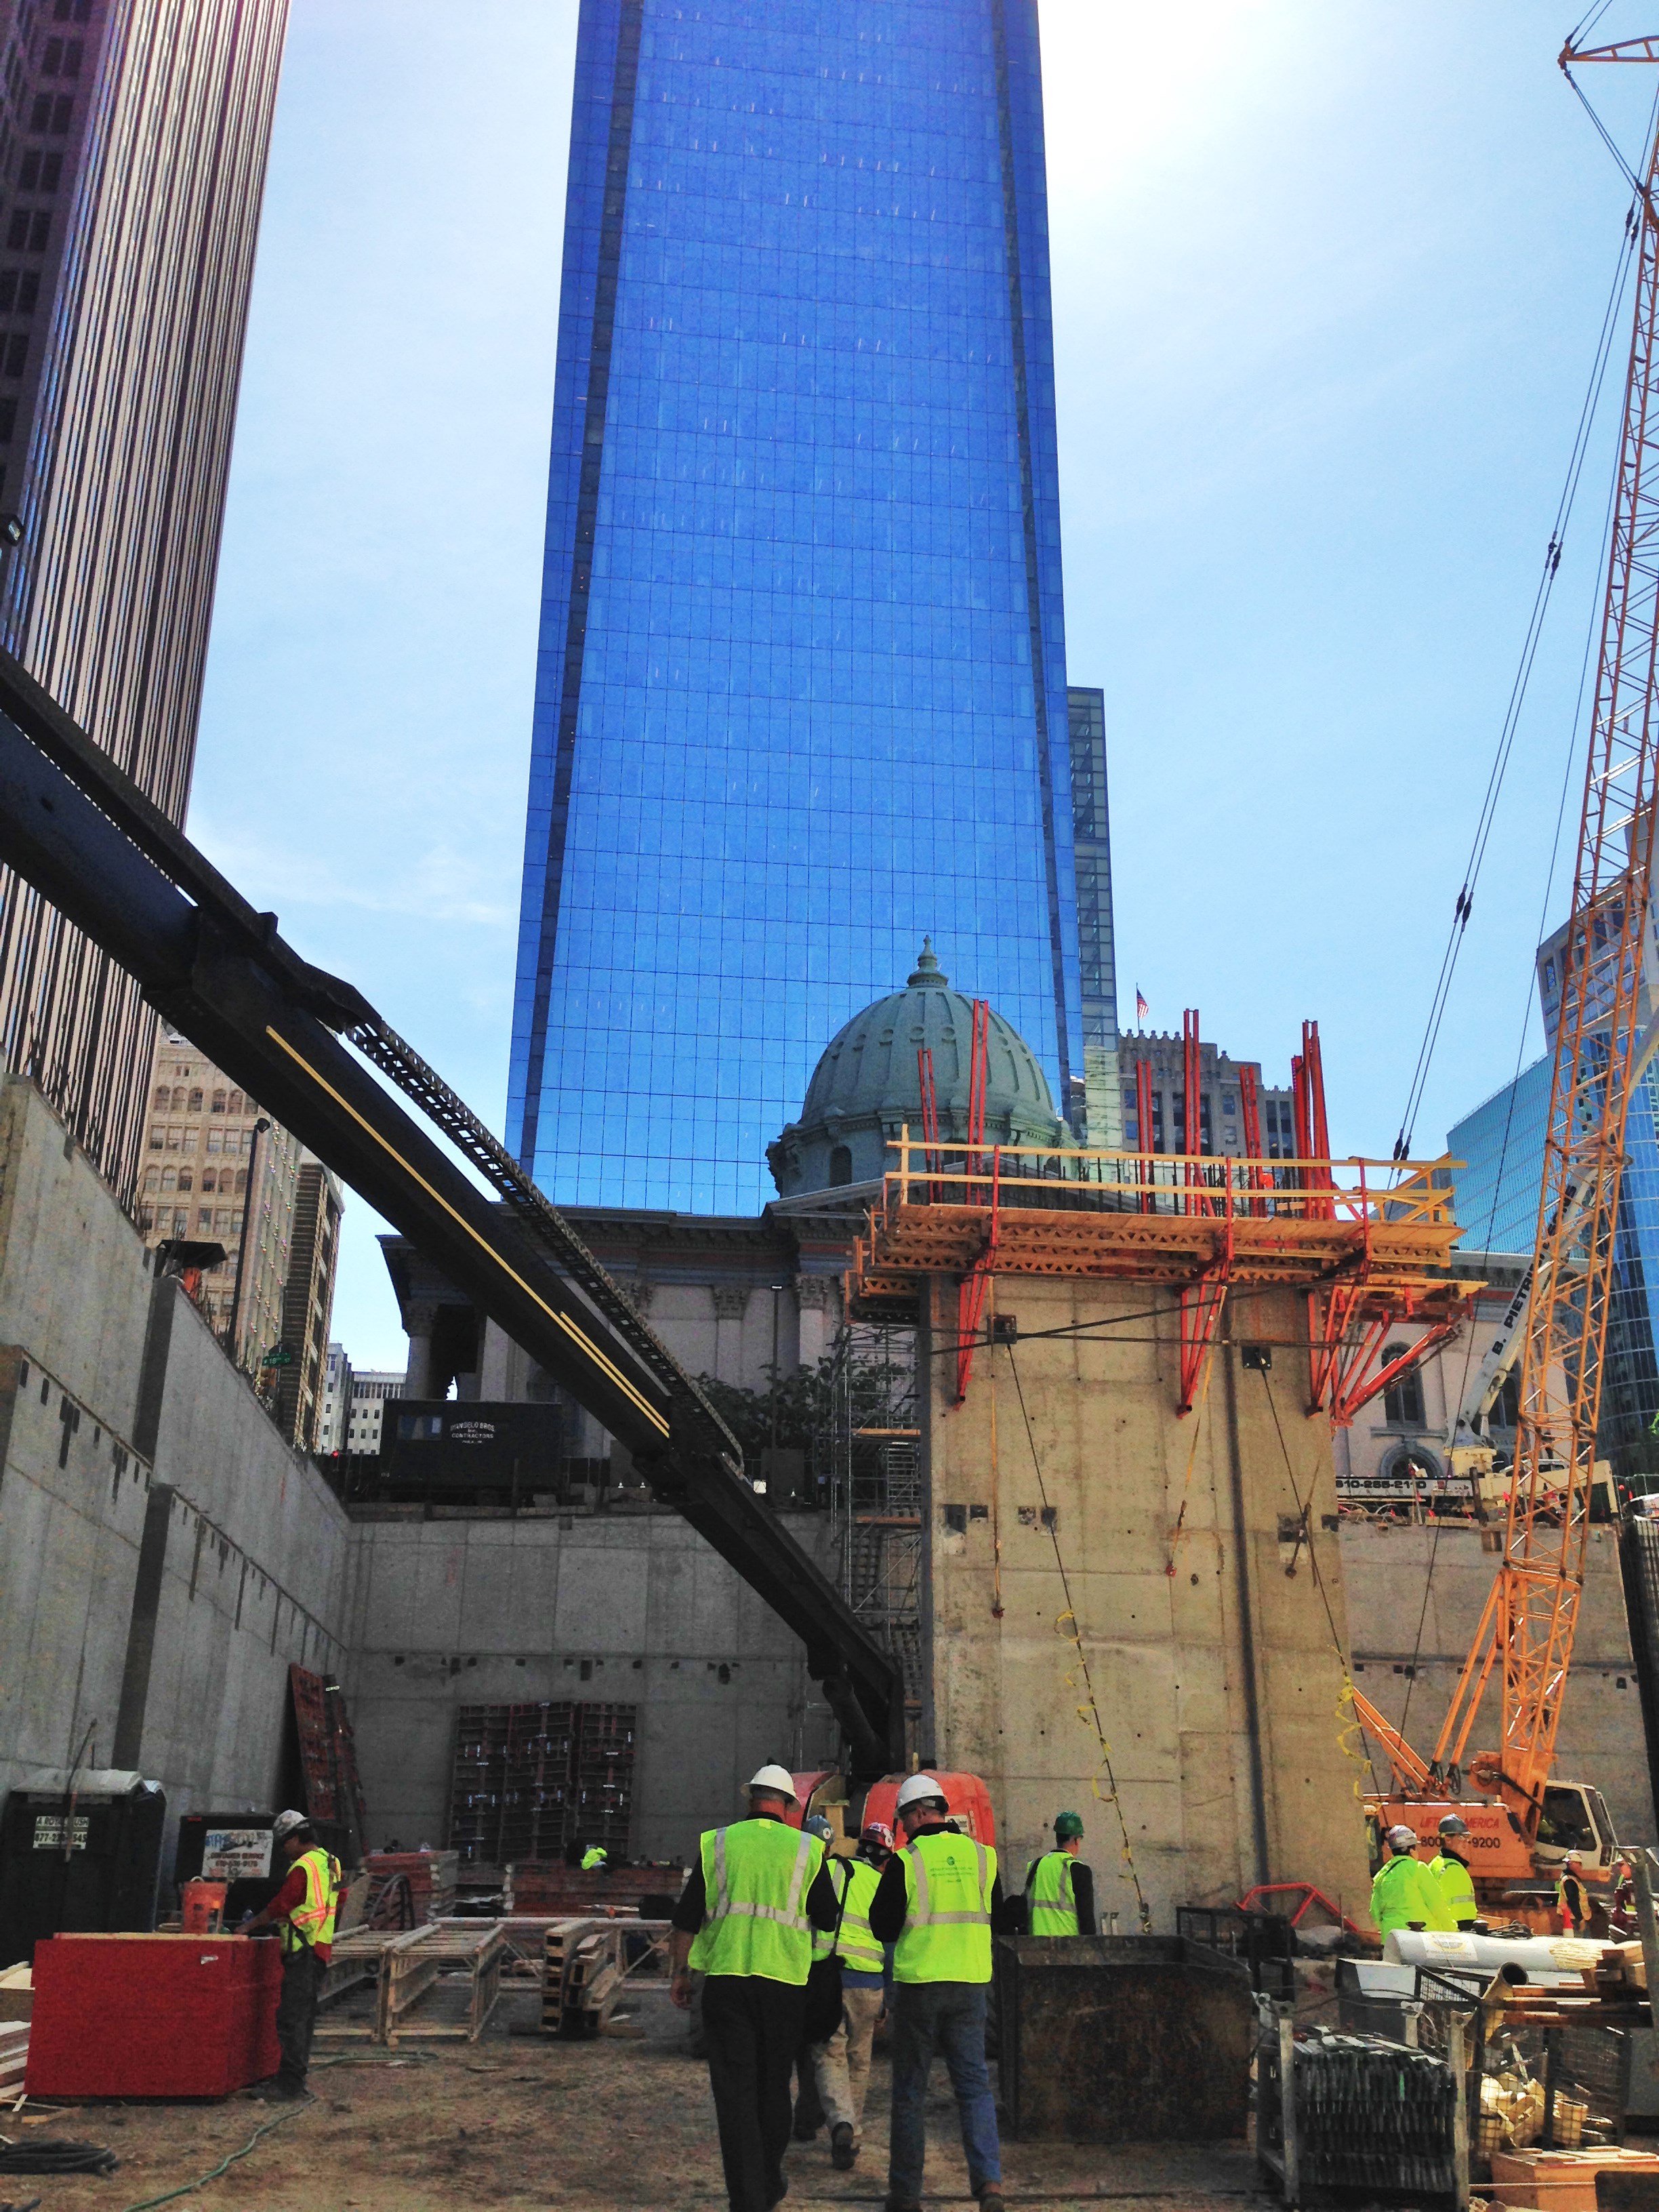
[551, 1890]
[430, 1874]
[1560, 2180]
[14, 2056]
[581, 1976]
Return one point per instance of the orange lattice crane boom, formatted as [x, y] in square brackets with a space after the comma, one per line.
[1526, 1633]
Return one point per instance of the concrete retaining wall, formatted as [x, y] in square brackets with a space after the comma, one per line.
[620, 1609]
[1214, 1671]
[163, 1555]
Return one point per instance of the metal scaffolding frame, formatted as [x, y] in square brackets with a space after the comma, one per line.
[873, 1450]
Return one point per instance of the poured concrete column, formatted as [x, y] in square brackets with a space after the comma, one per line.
[1066, 1484]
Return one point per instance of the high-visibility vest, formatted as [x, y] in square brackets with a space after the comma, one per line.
[592, 1857]
[1050, 1896]
[1403, 1891]
[823, 1939]
[311, 1921]
[1456, 1885]
[859, 1951]
[756, 1877]
[1574, 1906]
[946, 1936]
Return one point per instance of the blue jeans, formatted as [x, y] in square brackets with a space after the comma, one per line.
[949, 2018]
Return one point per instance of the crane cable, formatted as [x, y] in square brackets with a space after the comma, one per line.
[1465, 902]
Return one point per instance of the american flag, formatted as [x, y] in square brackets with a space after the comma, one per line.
[1141, 1007]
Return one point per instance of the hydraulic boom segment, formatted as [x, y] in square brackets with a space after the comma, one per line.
[75, 826]
[1526, 1633]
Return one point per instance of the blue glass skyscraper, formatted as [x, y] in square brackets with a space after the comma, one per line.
[801, 688]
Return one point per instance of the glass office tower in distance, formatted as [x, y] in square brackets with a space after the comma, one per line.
[801, 688]
[1091, 828]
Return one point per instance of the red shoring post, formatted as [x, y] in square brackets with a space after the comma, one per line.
[1318, 1127]
[1192, 1134]
[1146, 1172]
[978, 1054]
[1250, 1099]
[970, 1292]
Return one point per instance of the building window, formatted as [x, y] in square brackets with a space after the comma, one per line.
[26, 231]
[178, 1097]
[218, 1102]
[62, 57]
[17, 352]
[163, 1096]
[169, 1178]
[38, 172]
[1402, 1402]
[195, 1102]
[204, 1220]
[235, 1103]
[840, 1166]
[241, 1180]
[185, 1179]
[8, 418]
[207, 1178]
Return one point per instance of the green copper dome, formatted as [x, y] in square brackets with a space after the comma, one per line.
[868, 1086]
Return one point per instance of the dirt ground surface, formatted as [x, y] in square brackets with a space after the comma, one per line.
[517, 2120]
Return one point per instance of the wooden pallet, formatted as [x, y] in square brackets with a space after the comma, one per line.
[586, 1968]
[413, 1972]
[14, 2056]
[415, 1963]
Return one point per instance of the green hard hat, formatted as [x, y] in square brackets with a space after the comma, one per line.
[1067, 1824]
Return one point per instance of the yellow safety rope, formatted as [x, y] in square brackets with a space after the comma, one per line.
[1088, 1710]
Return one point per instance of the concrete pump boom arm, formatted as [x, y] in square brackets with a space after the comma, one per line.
[74, 825]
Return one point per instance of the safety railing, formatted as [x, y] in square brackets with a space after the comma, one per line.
[1405, 1193]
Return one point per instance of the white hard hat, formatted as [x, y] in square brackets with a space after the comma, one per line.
[286, 1823]
[917, 1788]
[777, 1778]
[1403, 1838]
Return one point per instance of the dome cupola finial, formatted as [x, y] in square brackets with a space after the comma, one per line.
[927, 970]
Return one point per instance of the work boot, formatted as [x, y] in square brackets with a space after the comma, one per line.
[991, 2199]
[805, 2131]
[843, 2151]
[901, 2204]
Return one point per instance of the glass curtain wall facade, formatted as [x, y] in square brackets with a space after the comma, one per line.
[133, 142]
[801, 688]
[1093, 844]
[1502, 1144]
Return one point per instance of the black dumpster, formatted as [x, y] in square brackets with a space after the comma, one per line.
[80, 1854]
[1122, 2038]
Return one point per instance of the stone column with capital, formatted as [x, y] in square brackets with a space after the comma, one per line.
[418, 1318]
[731, 1304]
[818, 1304]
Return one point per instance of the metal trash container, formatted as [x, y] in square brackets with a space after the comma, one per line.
[1123, 2038]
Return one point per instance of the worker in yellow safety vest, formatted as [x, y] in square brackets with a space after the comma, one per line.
[1403, 1893]
[303, 1911]
[745, 1920]
[935, 1903]
[1451, 1876]
[1572, 1897]
[594, 1857]
[841, 2066]
[1059, 1890]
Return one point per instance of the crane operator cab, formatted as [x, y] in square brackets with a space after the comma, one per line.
[1575, 1818]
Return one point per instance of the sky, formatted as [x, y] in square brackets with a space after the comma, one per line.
[1327, 283]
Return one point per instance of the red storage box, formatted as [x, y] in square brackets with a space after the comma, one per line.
[153, 2015]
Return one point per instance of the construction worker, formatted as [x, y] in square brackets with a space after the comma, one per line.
[1404, 1893]
[592, 1858]
[1451, 1874]
[1572, 1898]
[1059, 1890]
[842, 2065]
[934, 1904]
[305, 1908]
[809, 2106]
[745, 1920]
